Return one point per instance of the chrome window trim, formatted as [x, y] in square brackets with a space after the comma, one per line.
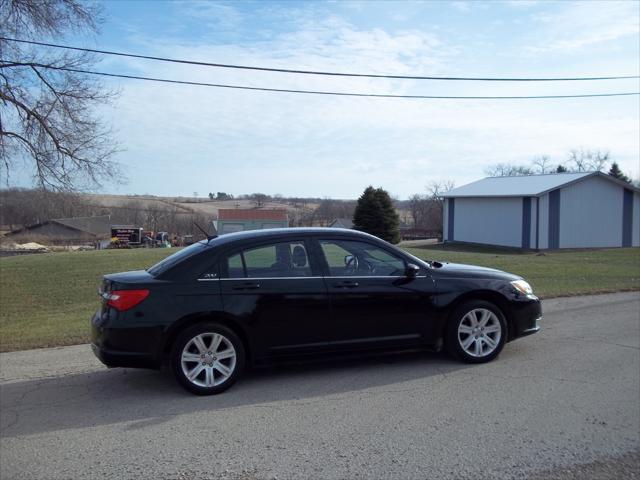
[304, 278]
[270, 278]
[377, 276]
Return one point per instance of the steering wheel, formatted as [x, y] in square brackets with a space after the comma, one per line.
[371, 268]
[352, 264]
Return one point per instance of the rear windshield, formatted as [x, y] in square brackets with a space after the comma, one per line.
[182, 254]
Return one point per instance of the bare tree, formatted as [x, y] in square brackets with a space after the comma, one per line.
[28, 207]
[507, 170]
[419, 207]
[48, 117]
[579, 160]
[324, 214]
[542, 164]
[435, 191]
[259, 199]
[588, 160]
[329, 209]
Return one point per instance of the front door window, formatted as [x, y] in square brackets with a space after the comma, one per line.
[360, 259]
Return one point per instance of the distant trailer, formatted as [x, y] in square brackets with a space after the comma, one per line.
[127, 235]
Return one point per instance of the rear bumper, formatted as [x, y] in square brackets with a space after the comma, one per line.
[525, 318]
[116, 358]
[119, 347]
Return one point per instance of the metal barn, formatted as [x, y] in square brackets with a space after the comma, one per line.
[562, 210]
[238, 220]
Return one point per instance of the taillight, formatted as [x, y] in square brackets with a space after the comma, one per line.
[123, 300]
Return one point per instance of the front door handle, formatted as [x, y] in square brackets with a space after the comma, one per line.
[346, 284]
[247, 286]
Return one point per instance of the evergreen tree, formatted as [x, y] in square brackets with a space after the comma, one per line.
[615, 172]
[375, 214]
[561, 169]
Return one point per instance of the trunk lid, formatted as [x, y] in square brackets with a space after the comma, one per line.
[123, 281]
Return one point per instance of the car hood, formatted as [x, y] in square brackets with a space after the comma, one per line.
[462, 270]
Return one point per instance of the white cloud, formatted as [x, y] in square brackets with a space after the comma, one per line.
[578, 25]
[461, 6]
[522, 3]
[182, 139]
[211, 14]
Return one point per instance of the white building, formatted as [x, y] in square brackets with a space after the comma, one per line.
[563, 210]
[342, 223]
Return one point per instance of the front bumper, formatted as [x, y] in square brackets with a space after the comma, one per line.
[525, 318]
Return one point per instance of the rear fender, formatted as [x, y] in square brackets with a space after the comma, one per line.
[187, 321]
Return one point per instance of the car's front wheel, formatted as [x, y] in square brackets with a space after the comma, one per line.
[476, 332]
[207, 358]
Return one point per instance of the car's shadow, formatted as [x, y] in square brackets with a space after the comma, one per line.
[146, 397]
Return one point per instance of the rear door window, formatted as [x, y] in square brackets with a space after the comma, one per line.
[180, 256]
[277, 260]
[236, 266]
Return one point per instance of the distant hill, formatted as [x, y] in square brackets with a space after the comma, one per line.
[194, 205]
[22, 207]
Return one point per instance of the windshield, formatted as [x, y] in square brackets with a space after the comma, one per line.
[164, 265]
[418, 261]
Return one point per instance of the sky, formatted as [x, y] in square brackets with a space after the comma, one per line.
[178, 140]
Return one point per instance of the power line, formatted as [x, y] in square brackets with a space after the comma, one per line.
[314, 72]
[5, 63]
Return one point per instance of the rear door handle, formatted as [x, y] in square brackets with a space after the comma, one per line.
[346, 284]
[247, 286]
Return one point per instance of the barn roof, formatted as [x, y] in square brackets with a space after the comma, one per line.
[97, 226]
[100, 225]
[252, 214]
[526, 185]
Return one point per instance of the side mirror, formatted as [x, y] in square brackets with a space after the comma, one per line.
[412, 270]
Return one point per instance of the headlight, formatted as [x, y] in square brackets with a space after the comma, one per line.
[522, 287]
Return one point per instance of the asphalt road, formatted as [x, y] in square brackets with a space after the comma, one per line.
[564, 403]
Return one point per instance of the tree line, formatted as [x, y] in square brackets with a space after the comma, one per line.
[578, 160]
[19, 207]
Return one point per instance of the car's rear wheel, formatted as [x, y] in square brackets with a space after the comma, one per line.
[207, 358]
[476, 332]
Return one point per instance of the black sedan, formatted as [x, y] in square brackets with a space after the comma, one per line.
[254, 297]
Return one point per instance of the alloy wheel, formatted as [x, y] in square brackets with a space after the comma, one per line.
[208, 359]
[479, 332]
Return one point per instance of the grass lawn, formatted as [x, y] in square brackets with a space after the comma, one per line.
[47, 300]
[552, 274]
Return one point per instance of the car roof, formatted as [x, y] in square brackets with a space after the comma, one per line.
[228, 238]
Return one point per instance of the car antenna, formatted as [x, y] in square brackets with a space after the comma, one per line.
[209, 237]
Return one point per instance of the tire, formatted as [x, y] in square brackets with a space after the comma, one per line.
[207, 358]
[476, 332]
